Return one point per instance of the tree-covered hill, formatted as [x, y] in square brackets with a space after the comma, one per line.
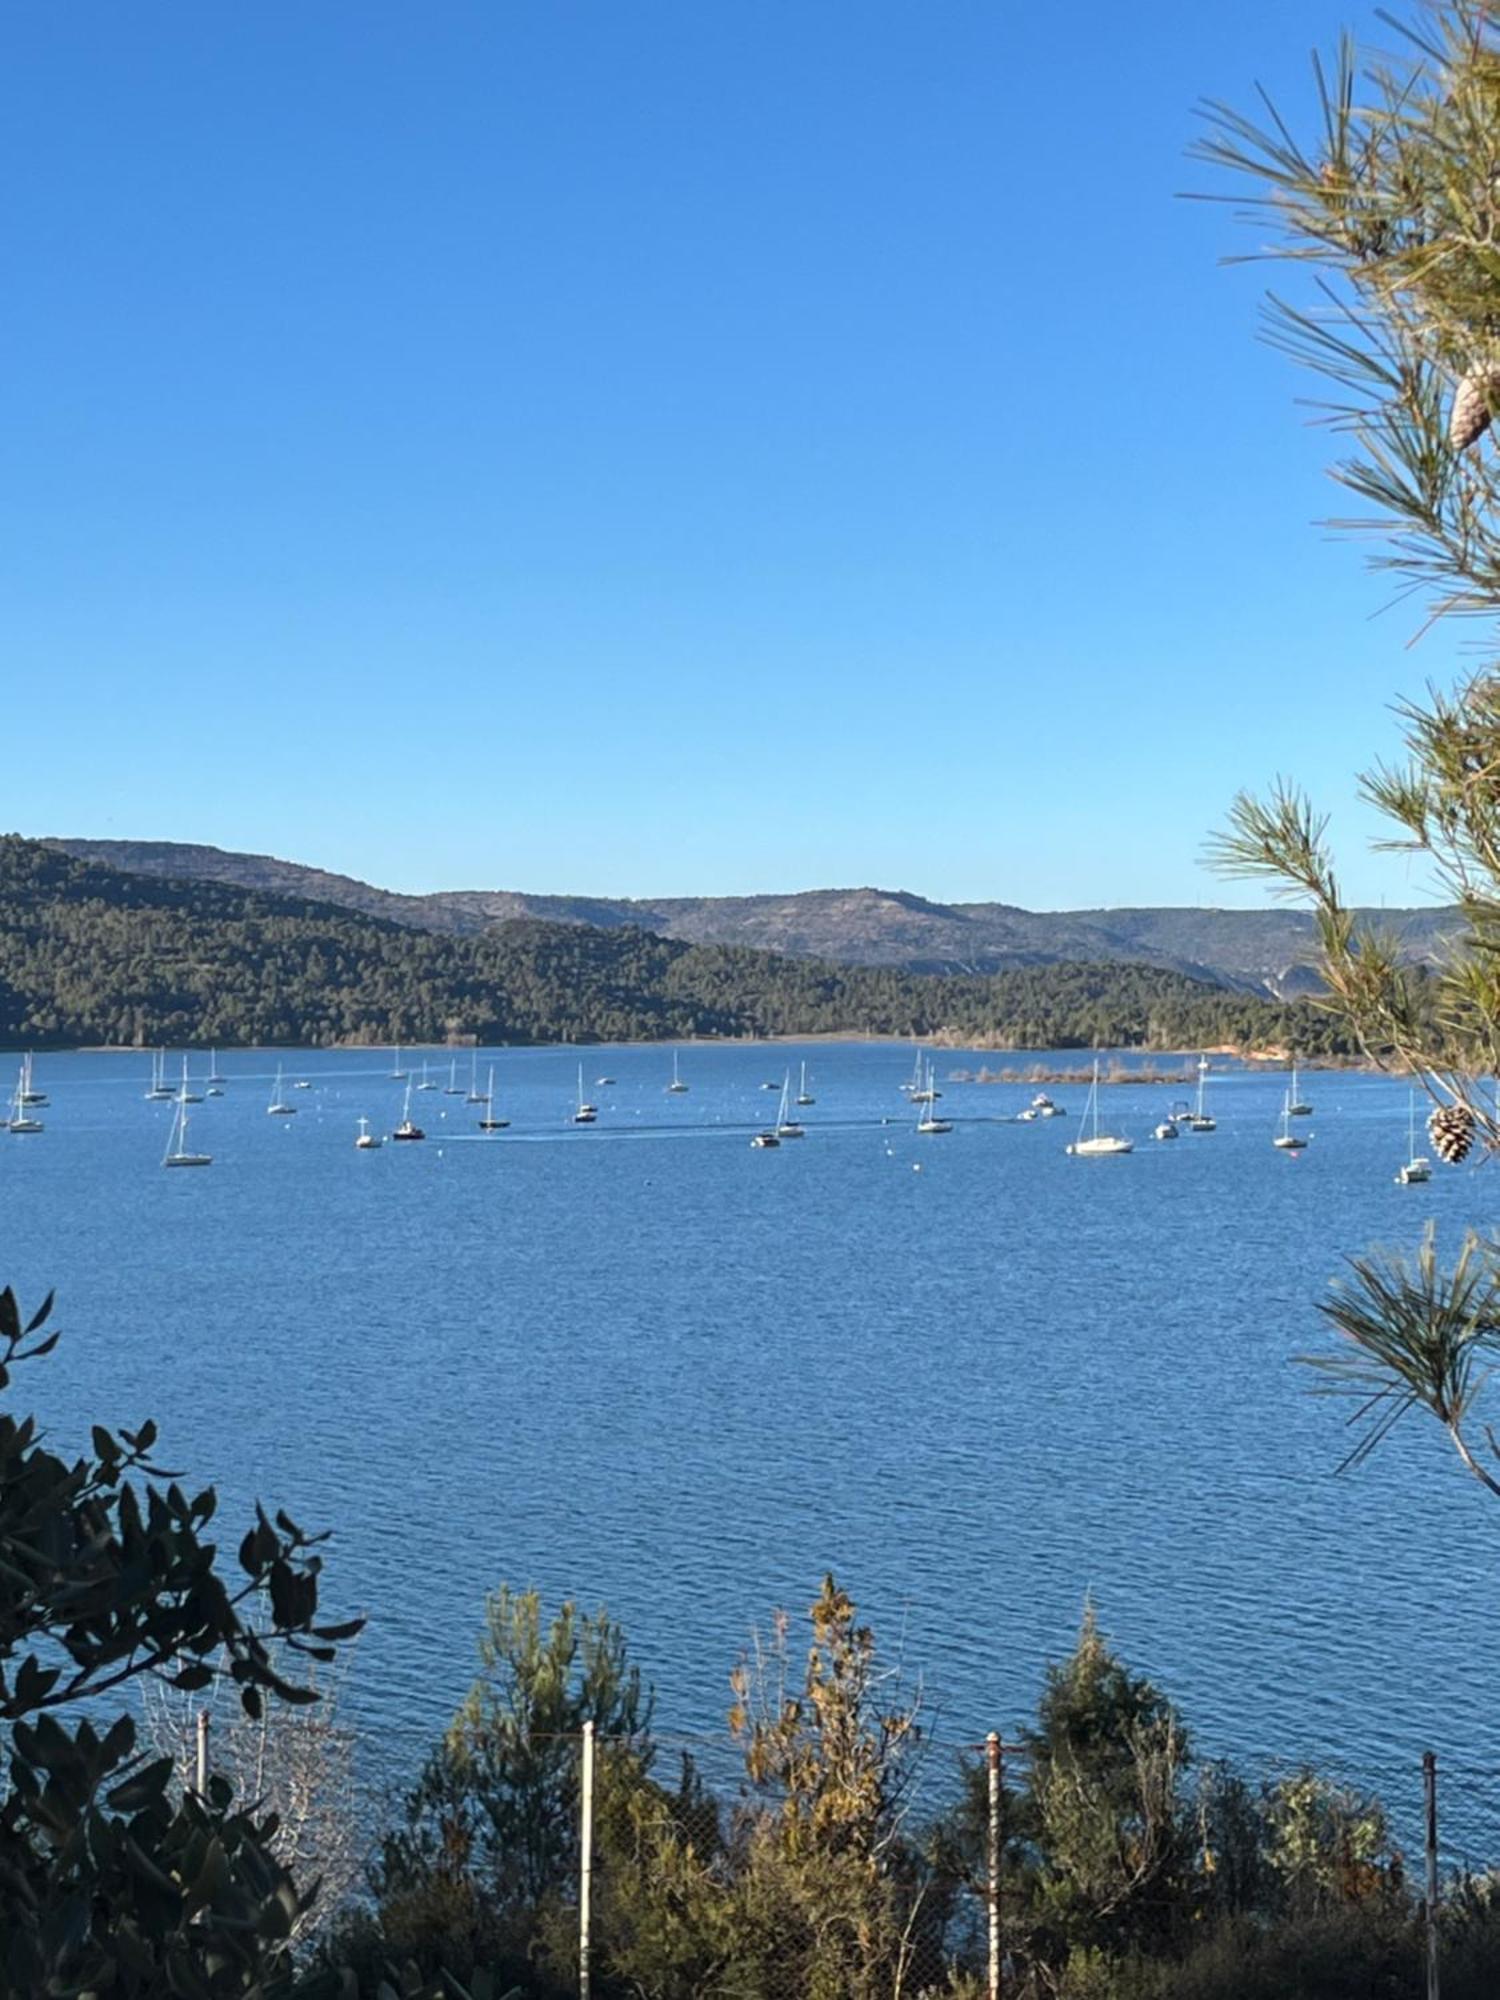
[92, 955]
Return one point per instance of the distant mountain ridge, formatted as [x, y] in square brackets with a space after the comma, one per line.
[1267, 951]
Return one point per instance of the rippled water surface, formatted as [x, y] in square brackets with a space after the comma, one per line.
[647, 1365]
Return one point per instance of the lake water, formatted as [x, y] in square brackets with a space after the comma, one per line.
[646, 1365]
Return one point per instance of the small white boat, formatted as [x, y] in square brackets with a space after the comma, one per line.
[786, 1125]
[803, 1095]
[603, 1082]
[476, 1095]
[158, 1093]
[1286, 1139]
[1200, 1120]
[453, 1088]
[1097, 1145]
[215, 1081]
[426, 1082]
[301, 1083]
[1296, 1108]
[29, 1092]
[1166, 1130]
[178, 1153]
[676, 1087]
[278, 1106]
[407, 1129]
[1028, 1116]
[21, 1122]
[397, 1071]
[184, 1095]
[929, 1125]
[586, 1112]
[763, 1141]
[489, 1122]
[1418, 1167]
[367, 1140]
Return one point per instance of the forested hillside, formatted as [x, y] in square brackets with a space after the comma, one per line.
[92, 955]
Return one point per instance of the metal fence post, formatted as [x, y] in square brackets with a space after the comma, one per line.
[200, 1759]
[1429, 1788]
[585, 1859]
[992, 1760]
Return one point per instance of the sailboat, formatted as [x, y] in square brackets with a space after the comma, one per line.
[1200, 1120]
[1097, 1145]
[158, 1091]
[676, 1087]
[278, 1107]
[772, 1135]
[21, 1121]
[1418, 1167]
[924, 1090]
[586, 1113]
[1288, 1140]
[178, 1153]
[184, 1095]
[804, 1096]
[397, 1072]
[406, 1129]
[914, 1081]
[451, 1087]
[367, 1140]
[476, 1095]
[215, 1081]
[787, 1126]
[29, 1092]
[1295, 1106]
[489, 1122]
[930, 1124]
[425, 1082]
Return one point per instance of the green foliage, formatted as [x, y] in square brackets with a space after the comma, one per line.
[110, 1883]
[486, 1857]
[90, 955]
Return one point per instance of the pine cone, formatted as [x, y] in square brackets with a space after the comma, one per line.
[1451, 1130]
[1469, 418]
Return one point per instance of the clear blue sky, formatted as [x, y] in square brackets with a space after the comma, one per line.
[659, 448]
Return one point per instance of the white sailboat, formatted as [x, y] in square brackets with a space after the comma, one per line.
[804, 1096]
[586, 1112]
[676, 1087]
[21, 1120]
[215, 1081]
[278, 1106]
[914, 1081]
[425, 1083]
[452, 1088]
[787, 1126]
[1094, 1144]
[407, 1129]
[763, 1141]
[367, 1140]
[1296, 1108]
[29, 1092]
[1200, 1120]
[178, 1153]
[1288, 1140]
[489, 1122]
[158, 1092]
[1418, 1167]
[929, 1124]
[184, 1095]
[476, 1095]
[397, 1072]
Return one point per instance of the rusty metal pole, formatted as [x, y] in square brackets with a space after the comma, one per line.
[1429, 1788]
[992, 1760]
